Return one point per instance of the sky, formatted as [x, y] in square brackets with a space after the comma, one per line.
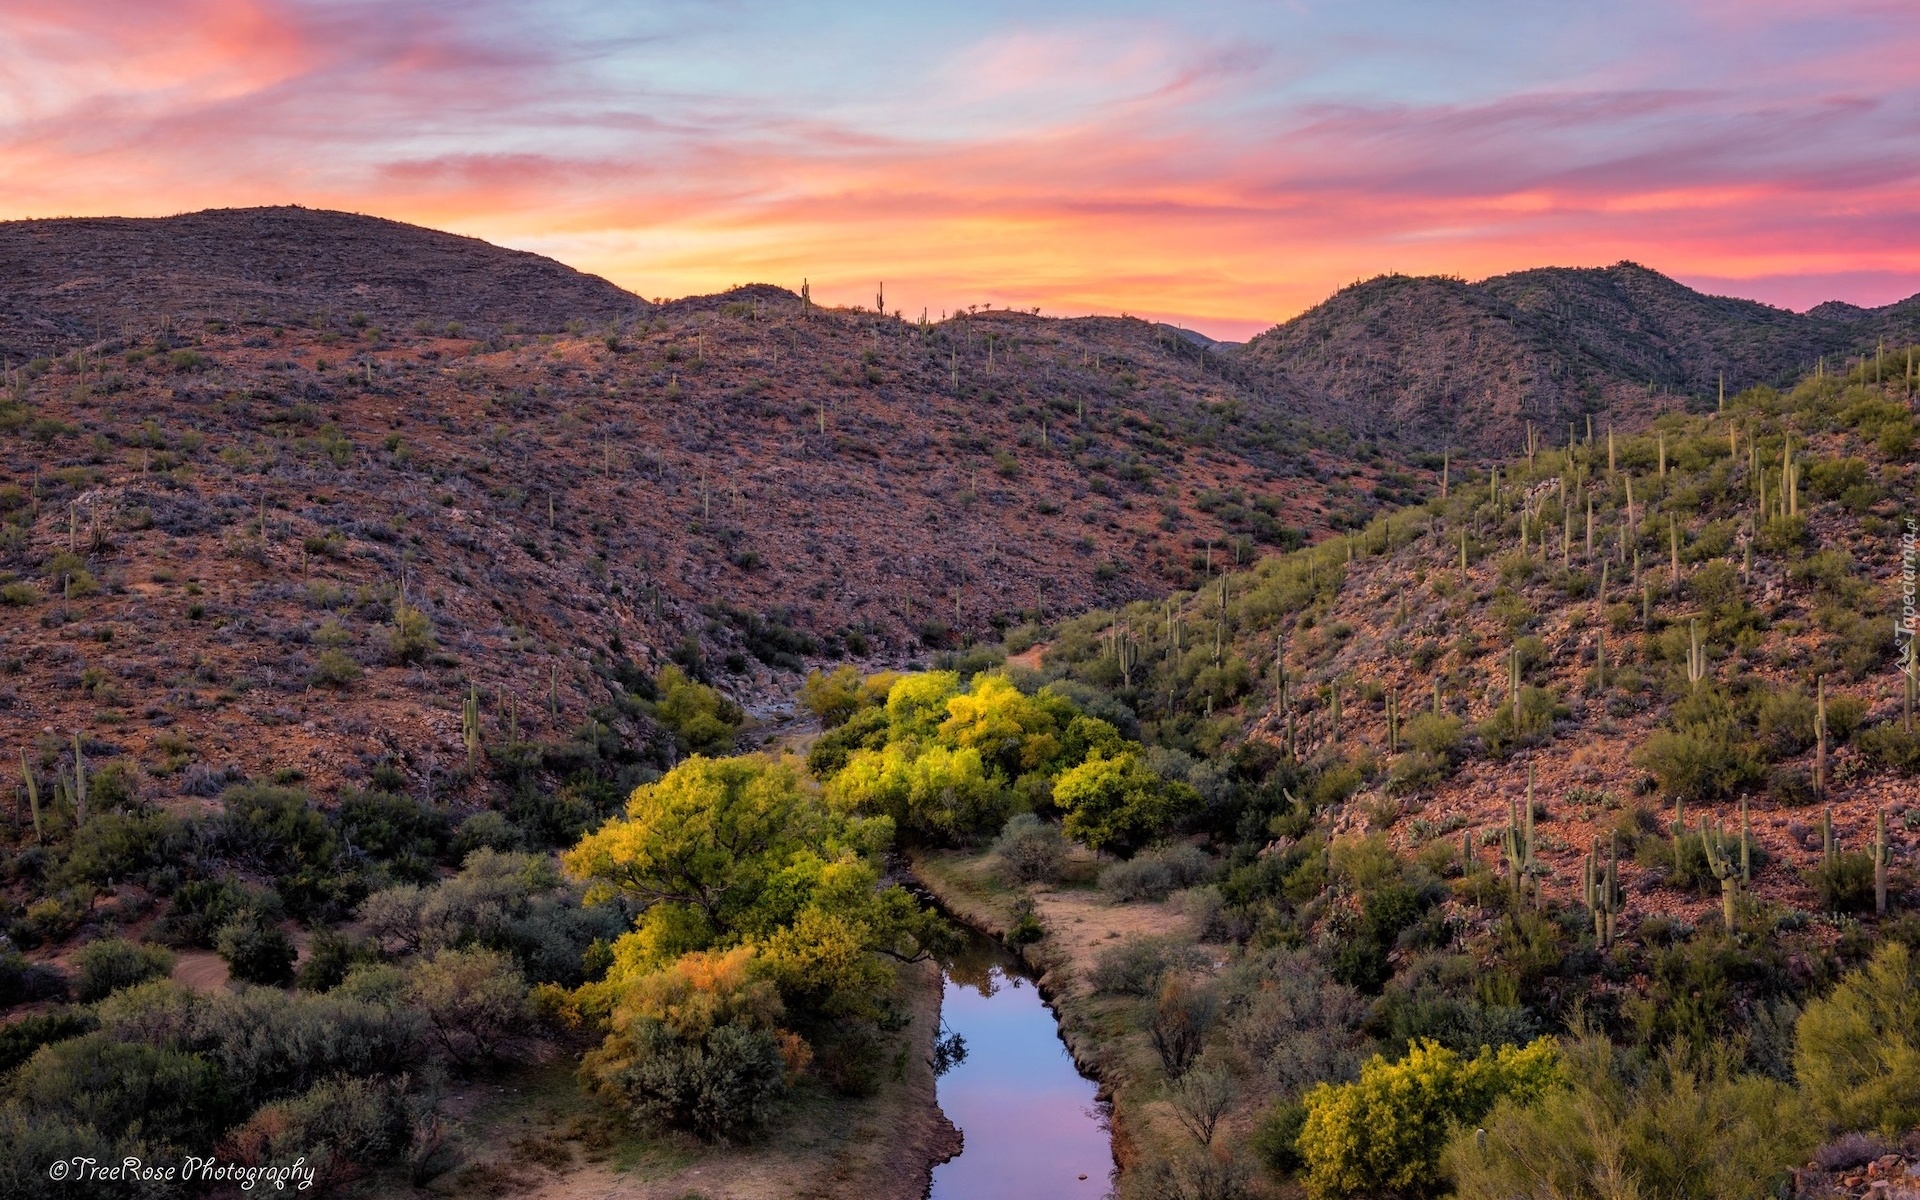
[1222, 166]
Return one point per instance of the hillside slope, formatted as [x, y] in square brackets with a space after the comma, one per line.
[1434, 361]
[739, 482]
[74, 281]
[1791, 591]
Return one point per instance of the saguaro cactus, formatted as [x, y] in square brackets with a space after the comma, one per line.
[1880, 862]
[1696, 657]
[33, 796]
[1820, 739]
[1721, 863]
[470, 726]
[79, 782]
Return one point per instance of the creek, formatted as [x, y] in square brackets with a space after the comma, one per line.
[1034, 1127]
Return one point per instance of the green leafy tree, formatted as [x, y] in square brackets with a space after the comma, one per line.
[1011, 731]
[933, 792]
[1384, 1132]
[917, 704]
[702, 719]
[833, 697]
[1120, 803]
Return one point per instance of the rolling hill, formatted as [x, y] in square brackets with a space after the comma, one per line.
[1433, 361]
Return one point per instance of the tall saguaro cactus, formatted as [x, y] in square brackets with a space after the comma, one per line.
[1880, 862]
[33, 796]
[1721, 863]
[470, 726]
[1820, 739]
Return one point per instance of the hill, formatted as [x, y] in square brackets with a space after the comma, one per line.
[1431, 362]
[75, 281]
[738, 482]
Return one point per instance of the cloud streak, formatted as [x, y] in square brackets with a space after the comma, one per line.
[1221, 173]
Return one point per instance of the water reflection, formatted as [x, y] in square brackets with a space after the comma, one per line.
[1032, 1123]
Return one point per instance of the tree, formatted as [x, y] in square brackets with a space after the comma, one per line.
[712, 835]
[704, 721]
[1385, 1132]
[1009, 730]
[833, 697]
[929, 791]
[917, 704]
[1119, 802]
[473, 1001]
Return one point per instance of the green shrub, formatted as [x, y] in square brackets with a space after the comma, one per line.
[98, 1080]
[1890, 748]
[118, 846]
[109, 964]
[255, 951]
[473, 1000]
[200, 907]
[339, 1126]
[1704, 761]
[330, 957]
[1031, 850]
[1786, 722]
[486, 830]
[30, 1140]
[1154, 874]
[1791, 787]
[720, 1085]
[335, 669]
[1134, 966]
[1674, 1128]
[22, 981]
[268, 1043]
[1857, 1052]
[411, 638]
[20, 1039]
[1276, 1139]
[397, 830]
[1844, 882]
[704, 721]
[1386, 1131]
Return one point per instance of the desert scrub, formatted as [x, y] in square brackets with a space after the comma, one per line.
[105, 966]
[1031, 850]
[1154, 874]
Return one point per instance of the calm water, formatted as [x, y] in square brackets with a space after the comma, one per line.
[1031, 1122]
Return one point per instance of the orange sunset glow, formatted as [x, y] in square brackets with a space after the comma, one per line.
[1222, 172]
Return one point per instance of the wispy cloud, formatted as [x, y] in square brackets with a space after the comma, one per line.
[1223, 171]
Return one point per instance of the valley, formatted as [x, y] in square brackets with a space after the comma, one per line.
[481, 732]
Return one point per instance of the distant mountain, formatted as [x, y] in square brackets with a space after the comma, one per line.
[1432, 361]
[82, 279]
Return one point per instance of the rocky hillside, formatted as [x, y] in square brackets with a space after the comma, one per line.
[1435, 361]
[76, 281]
[211, 530]
[1695, 623]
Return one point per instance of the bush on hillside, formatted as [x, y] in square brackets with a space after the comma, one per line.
[109, 964]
